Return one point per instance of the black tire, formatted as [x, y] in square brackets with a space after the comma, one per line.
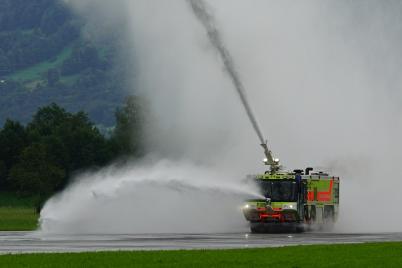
[329, 214]
[329, 218]
[256, 228]
[313, 215]
[313, 226]
[300, 229]
[306, 214]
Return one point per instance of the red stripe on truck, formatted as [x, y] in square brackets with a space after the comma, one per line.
[322, 196]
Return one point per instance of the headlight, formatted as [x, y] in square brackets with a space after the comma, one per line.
[250, 206]
[289, 206]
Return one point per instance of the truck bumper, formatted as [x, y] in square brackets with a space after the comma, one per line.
[277, 227]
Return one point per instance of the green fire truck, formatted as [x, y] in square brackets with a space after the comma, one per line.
[300, 200]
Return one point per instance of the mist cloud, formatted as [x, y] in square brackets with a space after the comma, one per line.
[322, 76]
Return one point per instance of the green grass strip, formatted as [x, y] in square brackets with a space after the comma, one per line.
[359, 255]
[18, 213]
[18, 219]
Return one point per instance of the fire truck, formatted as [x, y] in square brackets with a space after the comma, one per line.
[299, 200]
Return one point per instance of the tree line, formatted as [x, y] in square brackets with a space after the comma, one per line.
[39, 158]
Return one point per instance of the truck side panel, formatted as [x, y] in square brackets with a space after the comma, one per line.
[322, 198]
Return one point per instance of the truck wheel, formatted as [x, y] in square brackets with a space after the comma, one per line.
[256, 228]
[329, 218]
[306, 214]
[313, 219]
[313, 215]
[328, 214]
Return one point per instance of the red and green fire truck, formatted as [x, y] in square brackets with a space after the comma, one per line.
[300, 200]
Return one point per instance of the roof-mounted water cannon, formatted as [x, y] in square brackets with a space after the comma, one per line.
[269, 159]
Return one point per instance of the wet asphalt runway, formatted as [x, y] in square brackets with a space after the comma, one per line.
[28, 242]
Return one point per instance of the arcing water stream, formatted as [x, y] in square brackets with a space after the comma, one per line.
[200, 10]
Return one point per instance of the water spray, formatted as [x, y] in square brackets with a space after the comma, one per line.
[206, 18]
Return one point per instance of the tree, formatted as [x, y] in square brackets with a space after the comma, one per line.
[3, 176]
[86, 145]
[47, 119]
[38, 159]
[13, 139]
[127, 137]
[36, 174]
[72, 140]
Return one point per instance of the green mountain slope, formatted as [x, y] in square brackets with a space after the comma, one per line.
[44, 59]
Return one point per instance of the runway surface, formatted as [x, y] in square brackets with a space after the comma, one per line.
[28, 242]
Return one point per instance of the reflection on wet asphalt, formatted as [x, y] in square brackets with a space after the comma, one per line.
[20, 242]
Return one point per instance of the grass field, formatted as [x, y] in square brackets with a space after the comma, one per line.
[17, 213]
[360, 255]
[18, 219]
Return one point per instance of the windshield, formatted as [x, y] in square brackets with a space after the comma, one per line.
[279, 190]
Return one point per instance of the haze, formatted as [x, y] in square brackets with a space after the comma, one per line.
[322, 77]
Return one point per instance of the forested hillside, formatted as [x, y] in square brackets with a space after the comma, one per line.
[44, 59]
